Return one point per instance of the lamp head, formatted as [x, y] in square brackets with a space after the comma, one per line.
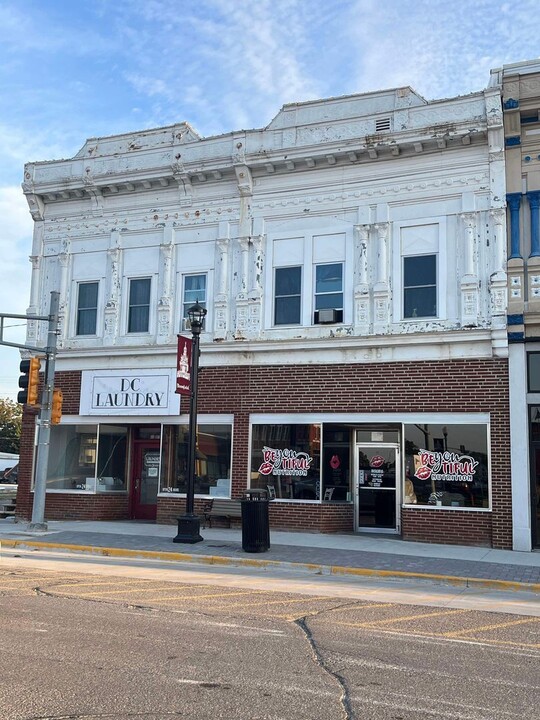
[196, 315]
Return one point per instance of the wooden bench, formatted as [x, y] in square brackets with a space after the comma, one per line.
[221, 508]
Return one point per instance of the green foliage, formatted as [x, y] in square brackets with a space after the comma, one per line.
[10, 425]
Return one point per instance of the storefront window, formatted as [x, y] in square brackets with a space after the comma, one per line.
[112, 453]
[336, 465]
[446, 465]
[212, 460]
[286, 460]
[72, 458]
[77, 451]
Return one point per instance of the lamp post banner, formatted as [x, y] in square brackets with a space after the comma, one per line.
[183, 366]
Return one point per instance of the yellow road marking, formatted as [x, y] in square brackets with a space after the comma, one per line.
[283, 602]
[200, 597]
[100, 584]
[482, 628]
[388, 621]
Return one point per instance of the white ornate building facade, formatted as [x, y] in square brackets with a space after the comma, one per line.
[352, 259]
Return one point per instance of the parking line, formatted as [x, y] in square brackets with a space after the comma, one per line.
[495, 626]
[284, 602]
[388, 621]
[201, 597]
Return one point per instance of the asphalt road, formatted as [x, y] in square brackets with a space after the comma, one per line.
[87, 647]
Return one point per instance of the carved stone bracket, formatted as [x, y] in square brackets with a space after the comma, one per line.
[244, 180]
[91, 188]
[36, 206]
[185, 188]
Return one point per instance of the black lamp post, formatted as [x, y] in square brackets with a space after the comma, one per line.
[189, 524]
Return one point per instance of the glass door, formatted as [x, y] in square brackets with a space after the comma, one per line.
[145, 479]
[377, 488]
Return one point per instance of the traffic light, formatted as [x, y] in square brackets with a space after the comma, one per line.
[56, 409]
[29, 381]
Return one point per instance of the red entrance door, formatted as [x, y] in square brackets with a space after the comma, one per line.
[145, 479]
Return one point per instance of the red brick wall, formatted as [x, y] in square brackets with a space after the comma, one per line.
[453, 527]
[426, 386]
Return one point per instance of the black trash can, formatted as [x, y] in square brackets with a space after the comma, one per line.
[255, 522]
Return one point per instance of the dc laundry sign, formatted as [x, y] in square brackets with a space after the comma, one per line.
[128, 392]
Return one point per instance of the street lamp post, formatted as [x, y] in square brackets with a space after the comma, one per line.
[189, 524]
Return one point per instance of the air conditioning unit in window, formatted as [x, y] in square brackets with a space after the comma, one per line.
[326, 316]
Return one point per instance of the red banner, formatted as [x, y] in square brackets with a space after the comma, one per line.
[183, 366]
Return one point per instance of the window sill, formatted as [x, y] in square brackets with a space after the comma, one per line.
[453, 508]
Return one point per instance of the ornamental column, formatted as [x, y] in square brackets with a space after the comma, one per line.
[497, 279]
[361, 288]
[381, 295]
[112, 294]
[165, 304]
[514, 202]
[516, 265]
[533, 263]
[469, 285]
[221, 299]
[534, 204]
[64, 260]
[242, 312]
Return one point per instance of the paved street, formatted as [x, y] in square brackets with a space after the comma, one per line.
[97, 645]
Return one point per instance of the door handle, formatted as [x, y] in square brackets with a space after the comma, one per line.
[137, 481]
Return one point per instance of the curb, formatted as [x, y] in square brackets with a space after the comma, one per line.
[315, 568]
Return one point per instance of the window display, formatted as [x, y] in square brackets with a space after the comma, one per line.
[112, 453]
[88, 457]
[72, 458]
[212, 460]
[446, 465]
[285, 460]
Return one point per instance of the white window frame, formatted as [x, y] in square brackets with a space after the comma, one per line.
[151, 320]
[342, 291]
[307, 311]
[274, 273]
[437, 283]
[202, 301]
[78, 284]
[398, 301]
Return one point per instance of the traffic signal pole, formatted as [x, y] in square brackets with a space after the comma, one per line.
[44, 422]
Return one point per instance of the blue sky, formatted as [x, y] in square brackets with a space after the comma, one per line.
[72, 69]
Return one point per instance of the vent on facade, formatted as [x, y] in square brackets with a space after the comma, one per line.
[323, 317]
[382, 124]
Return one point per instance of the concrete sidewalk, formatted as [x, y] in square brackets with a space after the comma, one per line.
[343, 554]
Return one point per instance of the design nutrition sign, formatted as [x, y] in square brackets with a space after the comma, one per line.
[128, 392]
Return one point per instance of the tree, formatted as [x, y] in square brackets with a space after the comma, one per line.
[10, 425]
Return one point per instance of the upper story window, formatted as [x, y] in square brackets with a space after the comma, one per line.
[139, 305]
[194, 291]
[312, 275]
[329, 292]
[419, 270]
[287, 297]
[420, 286]
[87, 300]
